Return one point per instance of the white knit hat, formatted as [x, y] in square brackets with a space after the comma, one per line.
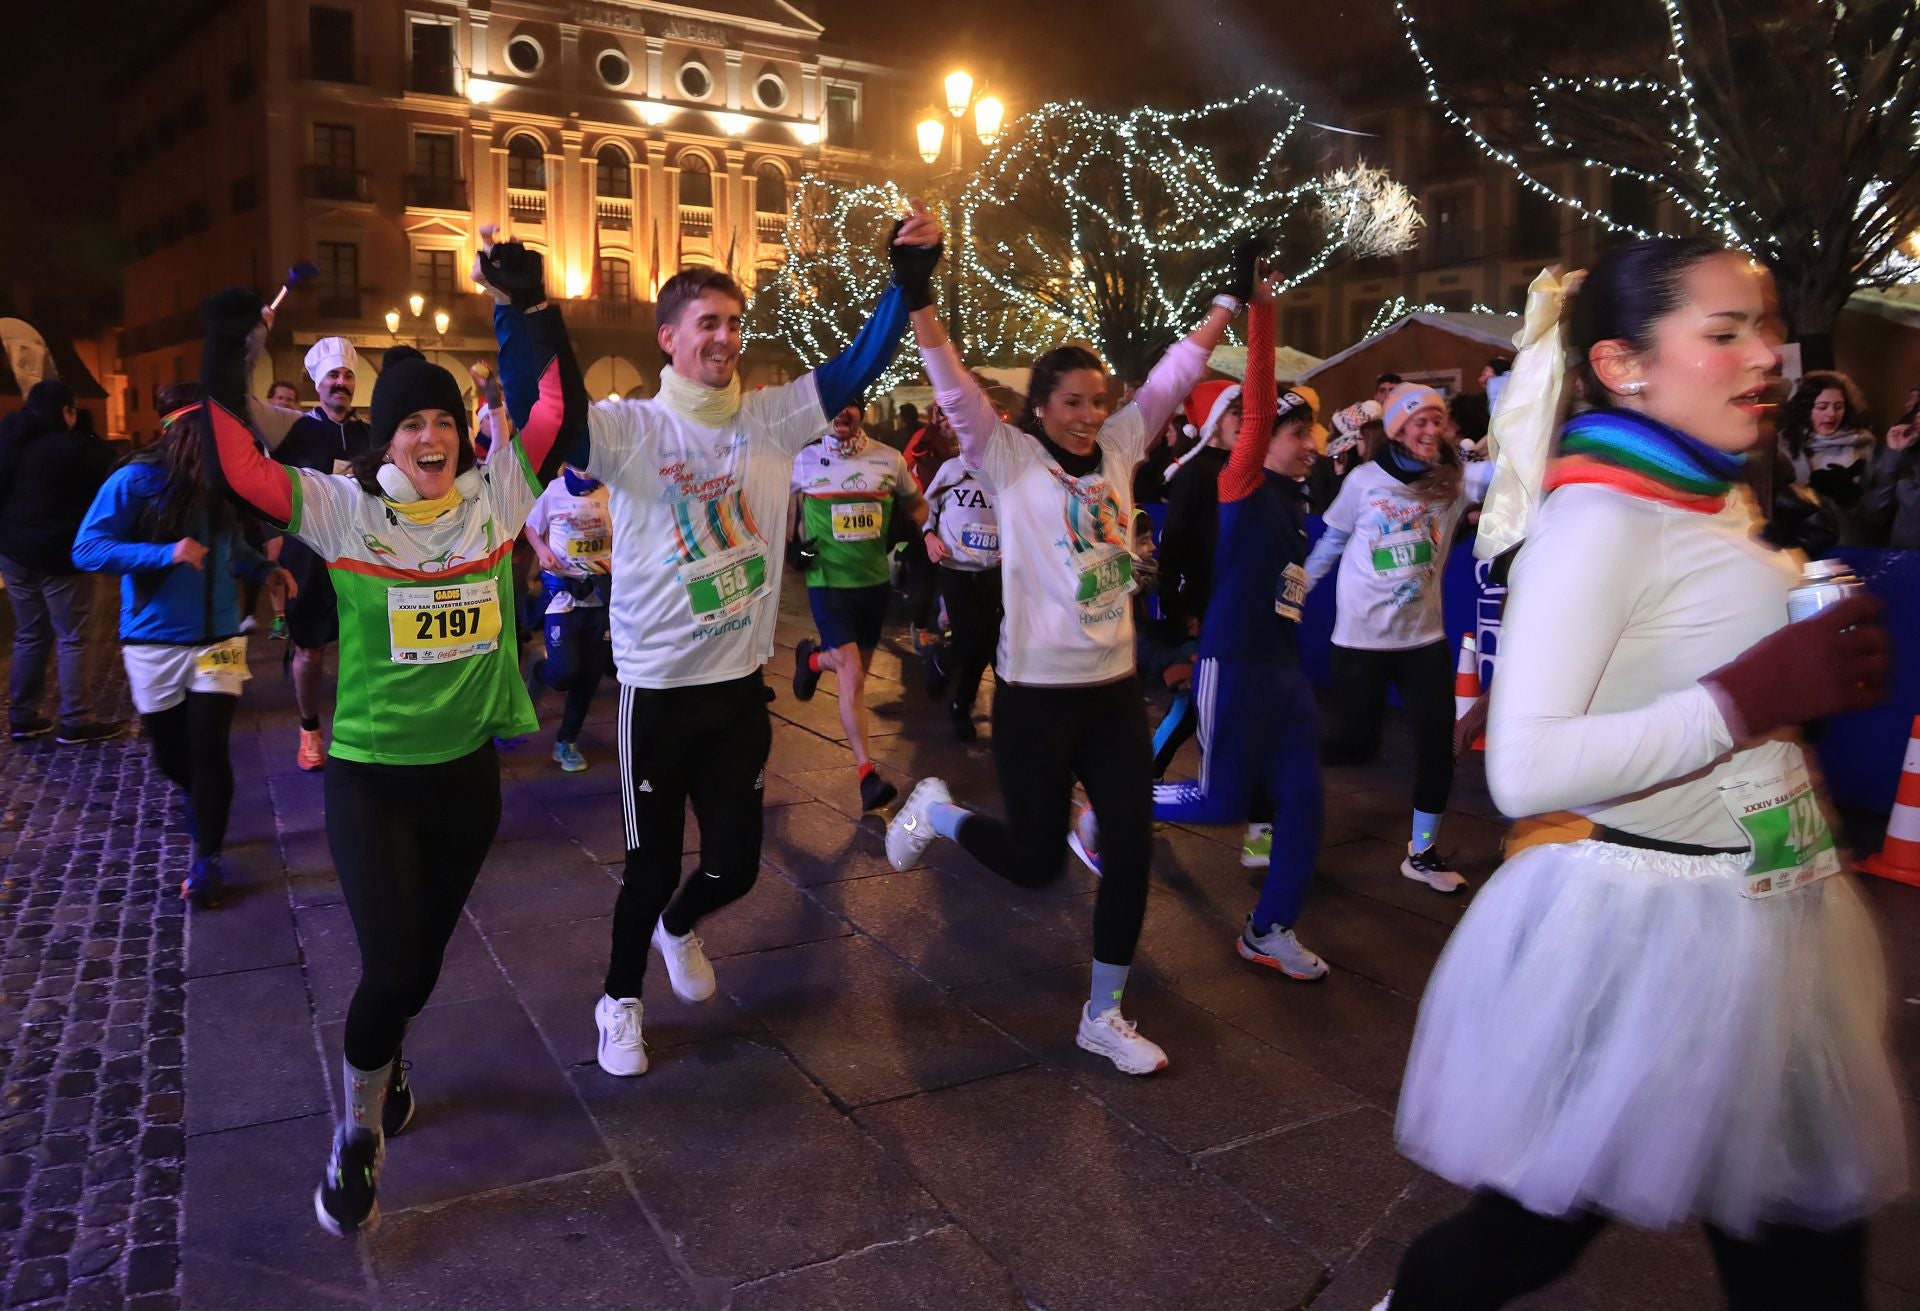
[328, 354]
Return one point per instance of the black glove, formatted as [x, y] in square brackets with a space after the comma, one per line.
[913, 268]
[228, 316]
[1241, 269]
[801, 554]
[515, 272]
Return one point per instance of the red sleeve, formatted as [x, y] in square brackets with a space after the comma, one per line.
[244, 469]
[1258, 402]
[547, 421]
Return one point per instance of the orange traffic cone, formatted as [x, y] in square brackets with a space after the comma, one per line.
[1466, 683]
[1899, 857]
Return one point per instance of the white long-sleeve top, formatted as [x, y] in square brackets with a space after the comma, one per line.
[1065, 541]
[1619, 606]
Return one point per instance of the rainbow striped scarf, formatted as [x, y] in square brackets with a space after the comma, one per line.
[1643, 457]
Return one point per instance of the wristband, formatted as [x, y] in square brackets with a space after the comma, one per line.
[1231, 304]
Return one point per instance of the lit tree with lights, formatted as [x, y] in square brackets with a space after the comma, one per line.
[1109, 228]
[1091, 226]
[1785, 127]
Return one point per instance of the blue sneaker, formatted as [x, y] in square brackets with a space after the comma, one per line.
[204, 883]
[568, 757]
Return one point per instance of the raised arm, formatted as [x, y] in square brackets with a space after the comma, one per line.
[913, 248]
[1258, 403]
[231, 458]
[546, 396]
[967, 408]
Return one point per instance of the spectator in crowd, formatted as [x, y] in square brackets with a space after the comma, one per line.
[905, 427]
[1383, 387]
[49, 473]
[1824, 429]
[283, 395]
[1472, 411]
[1890, 504]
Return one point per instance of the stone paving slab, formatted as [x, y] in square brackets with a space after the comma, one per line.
[883, 1108]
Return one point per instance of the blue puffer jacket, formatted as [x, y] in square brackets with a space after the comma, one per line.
[161, 601]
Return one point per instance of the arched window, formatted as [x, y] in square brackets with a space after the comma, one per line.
[770, 189]
[696, 181]
[612, 175]
[616, 278]
[526, 164]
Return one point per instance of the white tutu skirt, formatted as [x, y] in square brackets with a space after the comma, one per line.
[1622, 1031]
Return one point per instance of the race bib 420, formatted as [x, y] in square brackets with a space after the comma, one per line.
[1792, 843]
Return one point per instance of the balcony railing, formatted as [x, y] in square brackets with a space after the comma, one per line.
[427, 192]
[696, 220]
[321, 182]
[615, 213]
[432, 78]
[770, 228]
[527, 204]
[605, 312]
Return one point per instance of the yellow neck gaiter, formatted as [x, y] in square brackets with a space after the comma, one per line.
[711, 407]
[425, 511]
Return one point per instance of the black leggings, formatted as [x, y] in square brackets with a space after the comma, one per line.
[1044, 738]
[707, 745]
[1496, 1250]
[190, 745]
[407, 842]
[1424, 676]
[973, 607]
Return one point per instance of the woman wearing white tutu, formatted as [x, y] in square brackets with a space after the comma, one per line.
[1683, 1018]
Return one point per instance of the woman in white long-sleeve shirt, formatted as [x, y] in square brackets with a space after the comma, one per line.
[1684, 1016]
[1067, 703]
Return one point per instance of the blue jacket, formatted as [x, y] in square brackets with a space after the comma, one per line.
[161, 601]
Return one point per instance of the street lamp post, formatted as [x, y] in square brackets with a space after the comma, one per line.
[417, 307]
[932, 134]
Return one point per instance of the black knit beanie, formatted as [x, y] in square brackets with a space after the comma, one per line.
[410, 382]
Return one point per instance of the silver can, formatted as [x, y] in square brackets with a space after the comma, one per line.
[1822, 583]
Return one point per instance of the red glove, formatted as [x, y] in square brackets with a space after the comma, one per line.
[1830, 664]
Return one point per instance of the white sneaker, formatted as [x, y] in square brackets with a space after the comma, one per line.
[248, 624]
[1384, 1302]
[1108, 1034]
[1430, 867]
[1083, 837]
[1279, 950]
[688, 969]
[911, 829]
[621, 1050]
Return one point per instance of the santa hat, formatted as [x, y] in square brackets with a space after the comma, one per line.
[328, 354]
[1407, 400]
[1207, 405]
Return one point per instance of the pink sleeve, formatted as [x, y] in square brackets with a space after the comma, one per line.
[1169, 382]
[967, 408]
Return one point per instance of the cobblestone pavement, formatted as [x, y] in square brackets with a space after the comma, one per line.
[883, 1109]
[92, 1002]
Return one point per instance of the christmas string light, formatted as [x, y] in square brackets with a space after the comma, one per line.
[1682, 148]
[1082, 223]
[1391, 312]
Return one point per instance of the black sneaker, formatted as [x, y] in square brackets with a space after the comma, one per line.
[85, 730]
[22, 729]
[398, 1112]
[875, 791]
[347, 1201]
[205, 883]
[963, 728]
[805, 678]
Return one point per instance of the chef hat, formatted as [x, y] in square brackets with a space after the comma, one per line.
[328, 354]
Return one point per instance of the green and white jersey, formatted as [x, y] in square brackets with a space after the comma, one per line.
[847, 504]
[429, 652]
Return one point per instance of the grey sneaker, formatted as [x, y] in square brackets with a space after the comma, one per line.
[1279, 949]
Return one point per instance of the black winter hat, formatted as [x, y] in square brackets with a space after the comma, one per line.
[410, 382]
